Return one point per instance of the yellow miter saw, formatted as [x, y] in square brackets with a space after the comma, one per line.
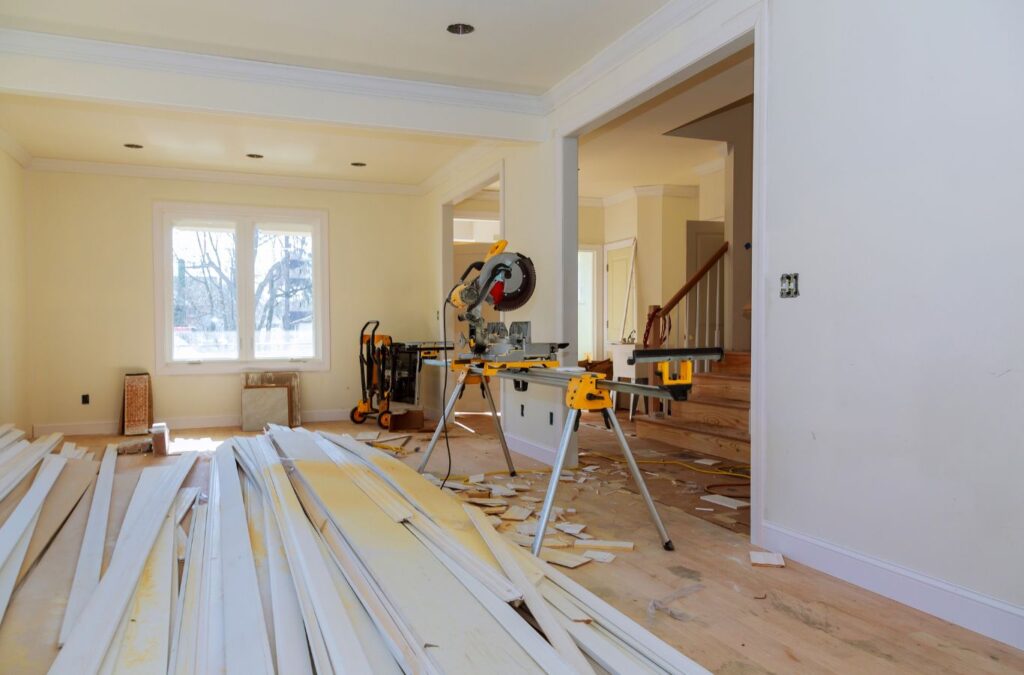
[505, 280]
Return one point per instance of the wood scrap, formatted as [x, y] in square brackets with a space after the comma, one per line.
[603, 545]
[767, 559]
[562, 558]
[727, 502]
[599, 556]
[516, 513]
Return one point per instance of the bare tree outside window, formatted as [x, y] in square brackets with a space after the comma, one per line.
[283, 295]
[205, 312]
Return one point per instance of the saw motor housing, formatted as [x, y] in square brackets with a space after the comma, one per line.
[506, 281]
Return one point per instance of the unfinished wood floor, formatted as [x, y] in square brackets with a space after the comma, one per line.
[732, 618]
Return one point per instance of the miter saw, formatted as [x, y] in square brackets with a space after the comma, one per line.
[505, 280]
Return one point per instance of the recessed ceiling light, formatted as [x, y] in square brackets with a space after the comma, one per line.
[460, 28]
[358, 163]
[253, 155]
[133, 146]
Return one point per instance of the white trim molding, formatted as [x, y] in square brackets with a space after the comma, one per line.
[980, 613]
[717, 164]
[625, 47]
[532, 450]
[243, 221]
[83, 50]
[208, 176]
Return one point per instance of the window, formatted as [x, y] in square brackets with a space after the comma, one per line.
[240, 288]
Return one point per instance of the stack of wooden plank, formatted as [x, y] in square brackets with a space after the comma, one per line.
[307, 553]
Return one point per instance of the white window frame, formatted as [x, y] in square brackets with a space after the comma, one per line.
[165, 214]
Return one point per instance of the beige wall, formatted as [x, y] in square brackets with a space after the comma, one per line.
[712, 195]
[591, 225]
[90, 277]
[13, 316]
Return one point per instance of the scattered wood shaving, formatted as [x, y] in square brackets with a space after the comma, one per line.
[767, 559]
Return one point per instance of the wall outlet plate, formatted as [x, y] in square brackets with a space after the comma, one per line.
[789, 285]
[85, 399]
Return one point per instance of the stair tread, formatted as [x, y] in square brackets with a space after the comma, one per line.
[709, 429]
[732, 377]
[719, 401]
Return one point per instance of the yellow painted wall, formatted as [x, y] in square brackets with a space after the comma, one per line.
[90, 277]
[13, 316]
[591, 221]
[620, 220]
[712, 196]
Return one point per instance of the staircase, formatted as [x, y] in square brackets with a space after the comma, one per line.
[715, 420]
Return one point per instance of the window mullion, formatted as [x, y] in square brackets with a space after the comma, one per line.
[245, 288]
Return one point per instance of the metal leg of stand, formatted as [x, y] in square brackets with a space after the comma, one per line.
[638, 477]
[448, 409]
[497, 424]
[556, 471]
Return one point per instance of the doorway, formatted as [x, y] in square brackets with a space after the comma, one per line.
[675, 174]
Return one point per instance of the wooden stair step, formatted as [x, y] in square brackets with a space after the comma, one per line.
[724, 442]
[736, 363]
[713, 412]
[722, 386]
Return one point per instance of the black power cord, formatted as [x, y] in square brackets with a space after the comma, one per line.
[444, 387]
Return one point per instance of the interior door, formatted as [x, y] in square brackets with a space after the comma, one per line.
[618, 293]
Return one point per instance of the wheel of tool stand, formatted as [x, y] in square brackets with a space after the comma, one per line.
[357, 415]
[384, 420]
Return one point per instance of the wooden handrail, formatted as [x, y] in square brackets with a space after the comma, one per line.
[693, 281]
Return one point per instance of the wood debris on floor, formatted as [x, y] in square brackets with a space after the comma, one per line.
[295, 553]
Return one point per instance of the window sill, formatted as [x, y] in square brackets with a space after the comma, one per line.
[239, 367]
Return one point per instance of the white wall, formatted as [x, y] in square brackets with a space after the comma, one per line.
[895, 381]
[13, 315]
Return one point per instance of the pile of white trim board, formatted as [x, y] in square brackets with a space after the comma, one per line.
[314, 553]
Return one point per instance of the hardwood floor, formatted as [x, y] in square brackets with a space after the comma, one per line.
[729, 616]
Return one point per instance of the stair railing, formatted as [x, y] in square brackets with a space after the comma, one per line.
[702, 321]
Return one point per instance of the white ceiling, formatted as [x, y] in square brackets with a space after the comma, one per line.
[632, 150]
[97, 132]
[522, 45]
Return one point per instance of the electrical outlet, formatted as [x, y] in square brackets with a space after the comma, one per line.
[789, 285]
[85, 399]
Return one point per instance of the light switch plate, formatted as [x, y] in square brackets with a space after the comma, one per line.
[789, 285]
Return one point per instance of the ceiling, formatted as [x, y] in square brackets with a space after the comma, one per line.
[96, 132]
[523, 46]
[632, 150]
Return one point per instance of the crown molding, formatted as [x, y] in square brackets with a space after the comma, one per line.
[457, 165]
[592, 201]
[687, 191]
[633, 41]
[206, 176]
[717, 164]
[16, 150]
[45, 45]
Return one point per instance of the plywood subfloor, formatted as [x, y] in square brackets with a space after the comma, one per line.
[729, 616]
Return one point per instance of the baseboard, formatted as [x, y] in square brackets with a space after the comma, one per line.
[111, 428]
[991, 617]
[529, 448]
[77, 429]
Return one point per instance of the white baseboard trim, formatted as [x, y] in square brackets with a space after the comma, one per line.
[529, 448]
[989, 616]
[76, 429]
[112, 428]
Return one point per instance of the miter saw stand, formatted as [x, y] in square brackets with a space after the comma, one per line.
[584, 391]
